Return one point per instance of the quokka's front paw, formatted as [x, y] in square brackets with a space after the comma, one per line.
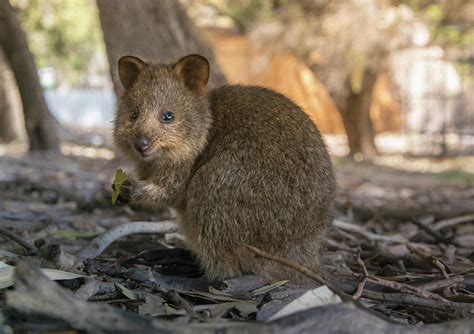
[127, 190]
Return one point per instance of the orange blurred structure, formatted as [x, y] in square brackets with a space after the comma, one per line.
[287, 74]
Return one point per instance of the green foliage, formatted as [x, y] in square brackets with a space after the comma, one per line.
[456, 176]
[246, 12]
[63, 34]
[450, 26]
[357, 60]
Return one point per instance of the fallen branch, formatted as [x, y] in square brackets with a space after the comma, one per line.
[52, 256]
[101, 242]
[30, 249]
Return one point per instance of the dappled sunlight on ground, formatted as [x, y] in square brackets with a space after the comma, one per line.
[85, 151]
[392, 146]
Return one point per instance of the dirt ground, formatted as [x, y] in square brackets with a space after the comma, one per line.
[52, 199]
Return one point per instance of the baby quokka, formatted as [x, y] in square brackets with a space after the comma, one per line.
[239, 164]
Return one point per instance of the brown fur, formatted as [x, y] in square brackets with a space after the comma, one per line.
[239, 164]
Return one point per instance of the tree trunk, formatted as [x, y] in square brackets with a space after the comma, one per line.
[12, 125]
[158, 31]
[355, 112]
[40, 124]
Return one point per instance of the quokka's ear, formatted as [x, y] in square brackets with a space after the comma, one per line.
[194, 71]
[128, 68]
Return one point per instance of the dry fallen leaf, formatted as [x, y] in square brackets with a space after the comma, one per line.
[268, 288]
[7, 272]
[126, 292]
[314, 298]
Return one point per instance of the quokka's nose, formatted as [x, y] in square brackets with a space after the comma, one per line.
[141, 144]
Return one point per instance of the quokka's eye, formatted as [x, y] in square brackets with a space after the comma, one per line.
[134, 113]
[167, 117]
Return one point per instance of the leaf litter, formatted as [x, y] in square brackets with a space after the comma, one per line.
[377, 271]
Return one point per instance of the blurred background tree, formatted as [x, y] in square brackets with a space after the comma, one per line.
[347, 45]
[12, 125]
[451, 23]
[158, 31]
[40, 125]
[65, 35]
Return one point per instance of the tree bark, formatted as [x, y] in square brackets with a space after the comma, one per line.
[355, 112]
[157, 31]
[40, 124]
[12, 127]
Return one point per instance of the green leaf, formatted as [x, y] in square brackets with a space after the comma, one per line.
[75, 234]
[126, 292]
[268, 288]
[211, 297]
[120, 177]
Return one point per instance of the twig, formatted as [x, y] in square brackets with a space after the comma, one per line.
[452, 221]
[361, 263]
[429, 258]
[360, 288]
[305, 271]
[445, 283]
[309, 273]
[392, 297]
[7, 256]
[52, 256]
[404, 288]
[30, 249]
[338, 245]
[366, 234]
[410, 299]
[436, 263]
[183, 303]
[434, 233]
[363, 278]
[100, 243]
